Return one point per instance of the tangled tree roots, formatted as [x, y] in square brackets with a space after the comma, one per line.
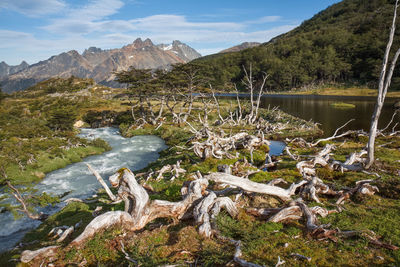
[218, 146]
[203, 205]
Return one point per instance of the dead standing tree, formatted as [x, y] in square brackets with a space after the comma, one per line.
[249, 82]
[183, 82]
[142, 83]
[384, 83]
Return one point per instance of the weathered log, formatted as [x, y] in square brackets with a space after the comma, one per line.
[218, 146]
[101, 181]
[317, 231]
[65, 234]
[289, 213]
[174, 169]
[201, 214]
[335, 135]
[354, 163]
[293, 212]
[208, 209]
[139, 209]
[362, 187]
[250, 186]
[29, 255]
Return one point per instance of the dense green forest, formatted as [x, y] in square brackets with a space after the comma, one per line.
[344, 43]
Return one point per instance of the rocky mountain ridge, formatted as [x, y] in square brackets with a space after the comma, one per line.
[100, 64]
[6, 69]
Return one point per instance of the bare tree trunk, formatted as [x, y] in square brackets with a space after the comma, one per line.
[384, 83]
[265, 76]
[139, 209]
[249, 83]
[238, 115]
[101, 181]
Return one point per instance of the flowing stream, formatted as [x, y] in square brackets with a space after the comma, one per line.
[135, 153]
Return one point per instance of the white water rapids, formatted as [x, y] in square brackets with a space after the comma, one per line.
[135, 153]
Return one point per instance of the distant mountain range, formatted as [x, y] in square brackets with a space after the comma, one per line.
[96, 63]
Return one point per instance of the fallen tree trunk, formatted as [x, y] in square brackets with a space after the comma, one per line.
[247, 185]
[29, 255]
[139, 209]
[101, 181]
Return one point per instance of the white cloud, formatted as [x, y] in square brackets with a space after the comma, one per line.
[9, 39]
[33, 8]
[175, 22]
[87, 18]
[96, 10]
[92, 25]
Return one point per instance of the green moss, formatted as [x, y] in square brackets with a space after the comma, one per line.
[342, 105]
[210, 165]
[70, 215]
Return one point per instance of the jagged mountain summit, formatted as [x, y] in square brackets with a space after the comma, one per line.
[100, 64]
[6, 69]
[181, 50]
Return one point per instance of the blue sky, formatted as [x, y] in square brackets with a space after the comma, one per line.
[34, 30]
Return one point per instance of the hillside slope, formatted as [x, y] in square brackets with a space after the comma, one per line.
[344, 43]
[240, 47]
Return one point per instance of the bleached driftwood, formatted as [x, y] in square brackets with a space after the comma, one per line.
[335, 134]
[217, 146]
[174, 169]
[370, 236]
[101, 181]
[292, 212]
[29, 255]
[363, 187]
[61, 232]
[139, 209]
[208, 209]
[247, 185]
[354, 163]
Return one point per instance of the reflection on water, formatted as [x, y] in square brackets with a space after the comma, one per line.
[319, 109]
[276, 148]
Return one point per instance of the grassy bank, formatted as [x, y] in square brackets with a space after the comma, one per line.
[165, 242]
[168, 241]
[341, 90]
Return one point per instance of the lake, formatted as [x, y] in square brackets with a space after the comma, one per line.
[319, 109]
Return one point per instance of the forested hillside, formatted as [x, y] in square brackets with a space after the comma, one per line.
[344, 43]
